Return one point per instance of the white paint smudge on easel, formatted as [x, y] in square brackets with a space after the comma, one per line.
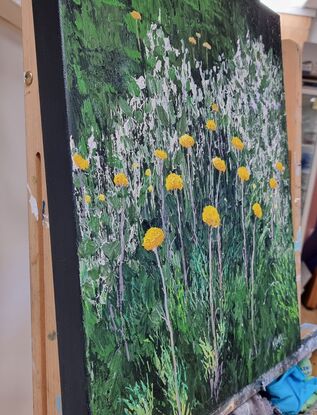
[33, 204]
[35, 209]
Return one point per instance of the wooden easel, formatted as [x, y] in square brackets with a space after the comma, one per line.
[46, 378]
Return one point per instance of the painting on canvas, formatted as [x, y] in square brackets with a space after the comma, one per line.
[177, 154]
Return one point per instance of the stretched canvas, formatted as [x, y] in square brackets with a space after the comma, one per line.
[169, 196]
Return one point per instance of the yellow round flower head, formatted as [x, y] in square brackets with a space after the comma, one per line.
[279, 166]
[186, 141]
[257, 210]
[101, 197]
[207, 45]
[192, 40]
[211, 216]
[214, 107]
[160, 154]
[80, 162]
[237, 143]
[148, 172]
[135, 166]
[87, 199]
[243, 173]
[219, 164]
[121, 180]
[174, 182]
[273, 183]
[135, 15]
[153, 238]
[211, 125]
[150, 189]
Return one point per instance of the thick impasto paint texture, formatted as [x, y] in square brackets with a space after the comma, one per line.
[182, 194]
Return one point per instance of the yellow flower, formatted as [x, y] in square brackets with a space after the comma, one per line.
[211, 125]
[211, 216]
[279, 166]
[80, 162]
[135, 165]
[101, 197]
[214, 107]
[121, 180]
[207, 45]
[243, 173]
[161, 154]
[273, 183]
[219, 164]
[174, 182]
[87, 199]
[148, 172]
[150, 189]
[186, 141]
[257, 210]
[237, 143]
[192, 40]
[135, 15]
[153, 238]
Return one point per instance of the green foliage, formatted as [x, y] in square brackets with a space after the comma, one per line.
[140, 401]
[208, 357]
[102, 30]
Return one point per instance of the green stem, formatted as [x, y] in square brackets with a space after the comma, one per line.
[121, 280]
[218, 188]
[211, 304]
[181, 240]
[245, 258]
[272, 215]
[219, 236]
[171, 332]
[219, 258]
[137, 35]
[162, 196]
[209, 168]
[121, 260]
[189, 161]
[252, 287]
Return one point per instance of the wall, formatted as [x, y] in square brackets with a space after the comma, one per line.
[15, 337]
[310, 52]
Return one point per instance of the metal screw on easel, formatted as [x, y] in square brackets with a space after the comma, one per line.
[28, 78]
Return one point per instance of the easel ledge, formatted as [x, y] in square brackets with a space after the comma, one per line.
[308, 344]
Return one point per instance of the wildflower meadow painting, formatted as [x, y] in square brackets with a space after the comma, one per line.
[180, 192]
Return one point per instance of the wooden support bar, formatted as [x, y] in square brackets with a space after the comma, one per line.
[296, 28]
[46, 378]
[293, 101]
[11, 12]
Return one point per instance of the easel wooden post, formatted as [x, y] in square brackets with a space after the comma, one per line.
[46, 379]
[293, 97]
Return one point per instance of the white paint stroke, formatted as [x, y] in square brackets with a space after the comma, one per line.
[33, 204]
